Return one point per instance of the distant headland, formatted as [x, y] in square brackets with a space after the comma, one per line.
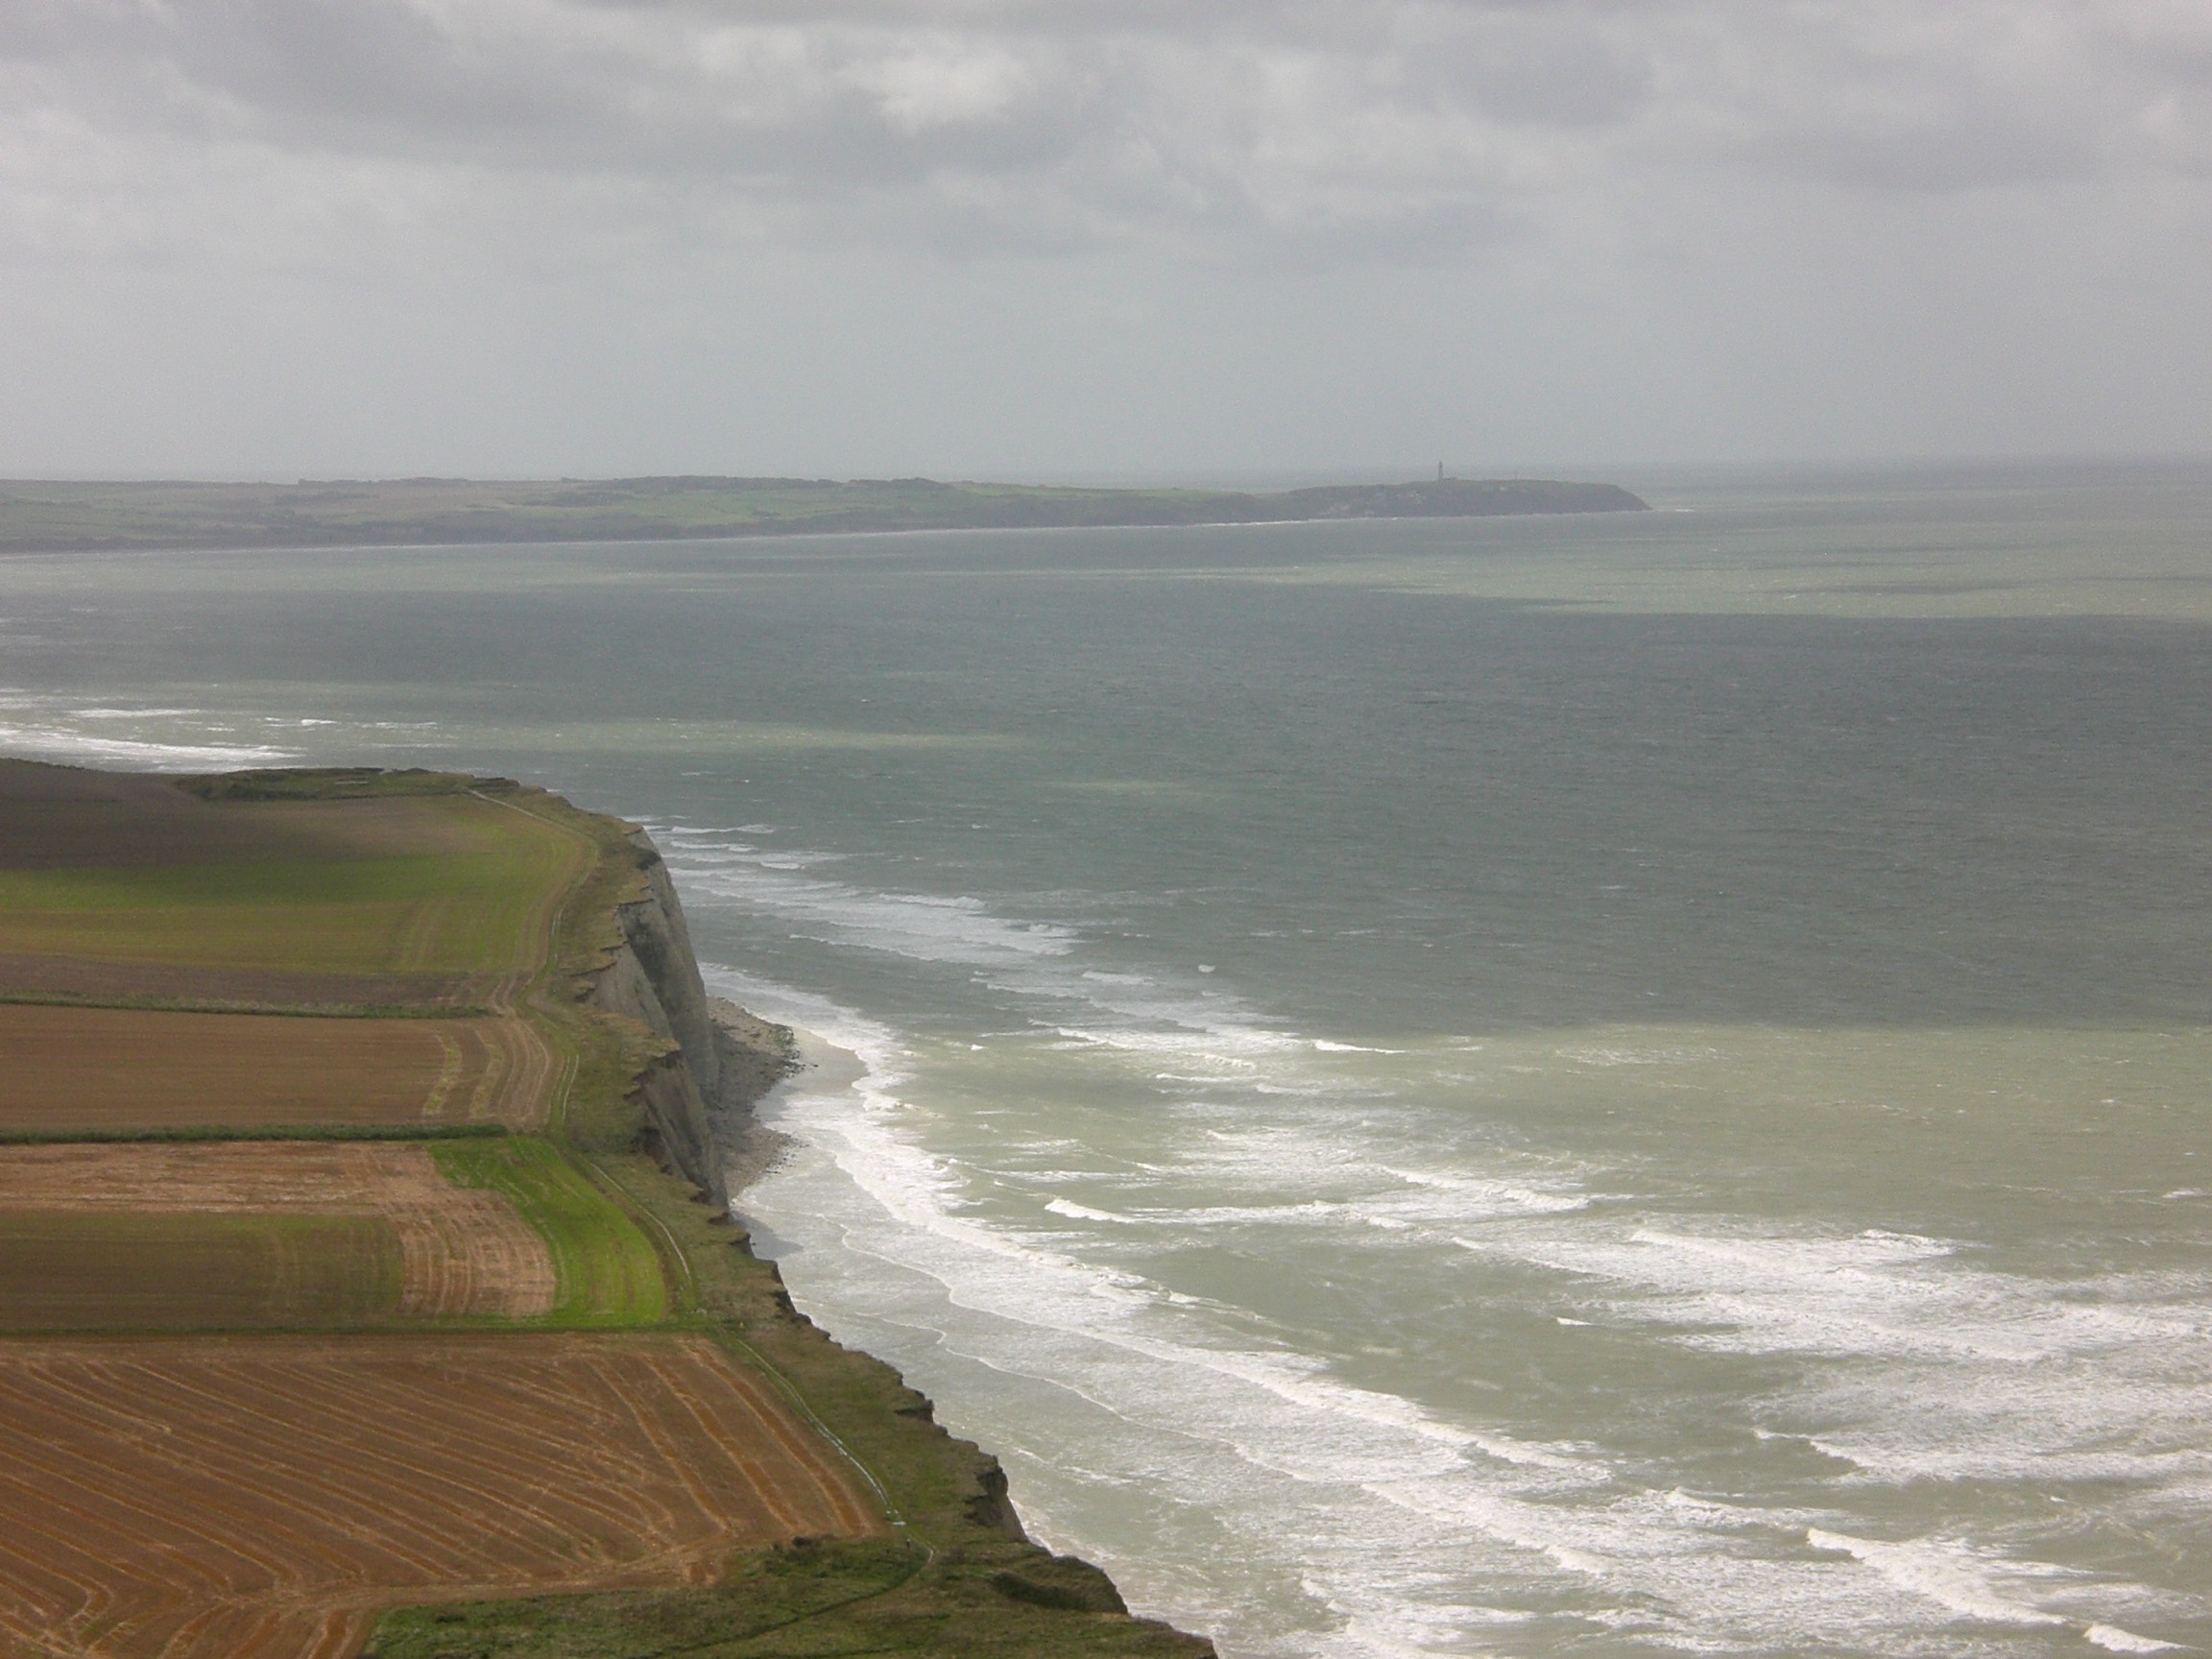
[56, 516]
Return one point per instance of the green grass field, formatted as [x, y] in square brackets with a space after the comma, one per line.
[608, 1272]
[474, 912]
[109, 1271]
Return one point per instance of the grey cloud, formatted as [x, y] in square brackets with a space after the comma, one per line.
[1565, 220]
[1960, 97]
[1405, 120]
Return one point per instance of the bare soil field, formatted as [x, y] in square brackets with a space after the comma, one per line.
[267, 1496]
[73, 1219]
[61, 1271]
[64, 1067]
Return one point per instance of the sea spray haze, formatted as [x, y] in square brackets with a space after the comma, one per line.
[1595, 1087]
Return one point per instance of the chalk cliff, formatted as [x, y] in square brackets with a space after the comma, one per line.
[707, 1066]
[653, 978]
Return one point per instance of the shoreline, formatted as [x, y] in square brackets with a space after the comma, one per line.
[60, 517]
[749, 1147]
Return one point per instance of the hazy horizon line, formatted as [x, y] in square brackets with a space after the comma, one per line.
[1240, 478]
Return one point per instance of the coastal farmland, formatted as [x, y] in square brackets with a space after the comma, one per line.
[606, 1270]
[158, 1235]
[71, 1271]
[370, 901]
[365, 1283]
[72, 1068]
[274, 1362]
[301, 1484]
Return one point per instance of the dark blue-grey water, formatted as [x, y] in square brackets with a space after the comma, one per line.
[1582, 1087]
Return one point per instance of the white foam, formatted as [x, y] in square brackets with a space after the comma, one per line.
[877, 1046]
[1288, 1459]
[1084, 1212]
[1485, 1195]
[2118, 1641]
[1275, 1448]
[1870, 1293]
[1041, 959]
[1946, 1573]
[1187, 1034]
[1048, 1288]
[135, 754]
[1610, 1056]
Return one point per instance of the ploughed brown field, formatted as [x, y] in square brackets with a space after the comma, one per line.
[154, 1235]
[68, 1069]
[228, 1498]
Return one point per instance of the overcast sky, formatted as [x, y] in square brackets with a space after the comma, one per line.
[1095, 237]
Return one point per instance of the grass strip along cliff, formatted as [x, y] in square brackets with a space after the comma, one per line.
[366, 1280]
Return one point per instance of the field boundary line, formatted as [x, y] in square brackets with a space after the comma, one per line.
[127, 1004]
[200, 1133]
[928, 1559]
[556, 1117]
[557, 902]
[721, 1330]
[723, 1333]
[527, 1006]
[687, 1284]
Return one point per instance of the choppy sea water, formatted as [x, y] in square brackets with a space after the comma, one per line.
[1585, 1087]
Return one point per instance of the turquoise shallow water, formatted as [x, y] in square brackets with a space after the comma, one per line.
[1603, 1086]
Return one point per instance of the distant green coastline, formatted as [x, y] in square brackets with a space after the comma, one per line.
[56, 517]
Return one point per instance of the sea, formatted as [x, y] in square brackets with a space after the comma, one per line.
[1618, 1085]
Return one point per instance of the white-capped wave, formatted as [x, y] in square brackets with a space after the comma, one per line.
[1084, 1212]
[1473, 1198]
[131, 754]
[1945, 1573]
[42, 726]
[1088, 1349]
[2113, 1639]
[1036, 961]
[1843, 1294]
[1246, 1431]
[1161, 1399]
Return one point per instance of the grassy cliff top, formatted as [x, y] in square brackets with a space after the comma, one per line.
[425, 511]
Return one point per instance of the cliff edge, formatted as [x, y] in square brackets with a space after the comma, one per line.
[653, 978]
[658, 1084]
